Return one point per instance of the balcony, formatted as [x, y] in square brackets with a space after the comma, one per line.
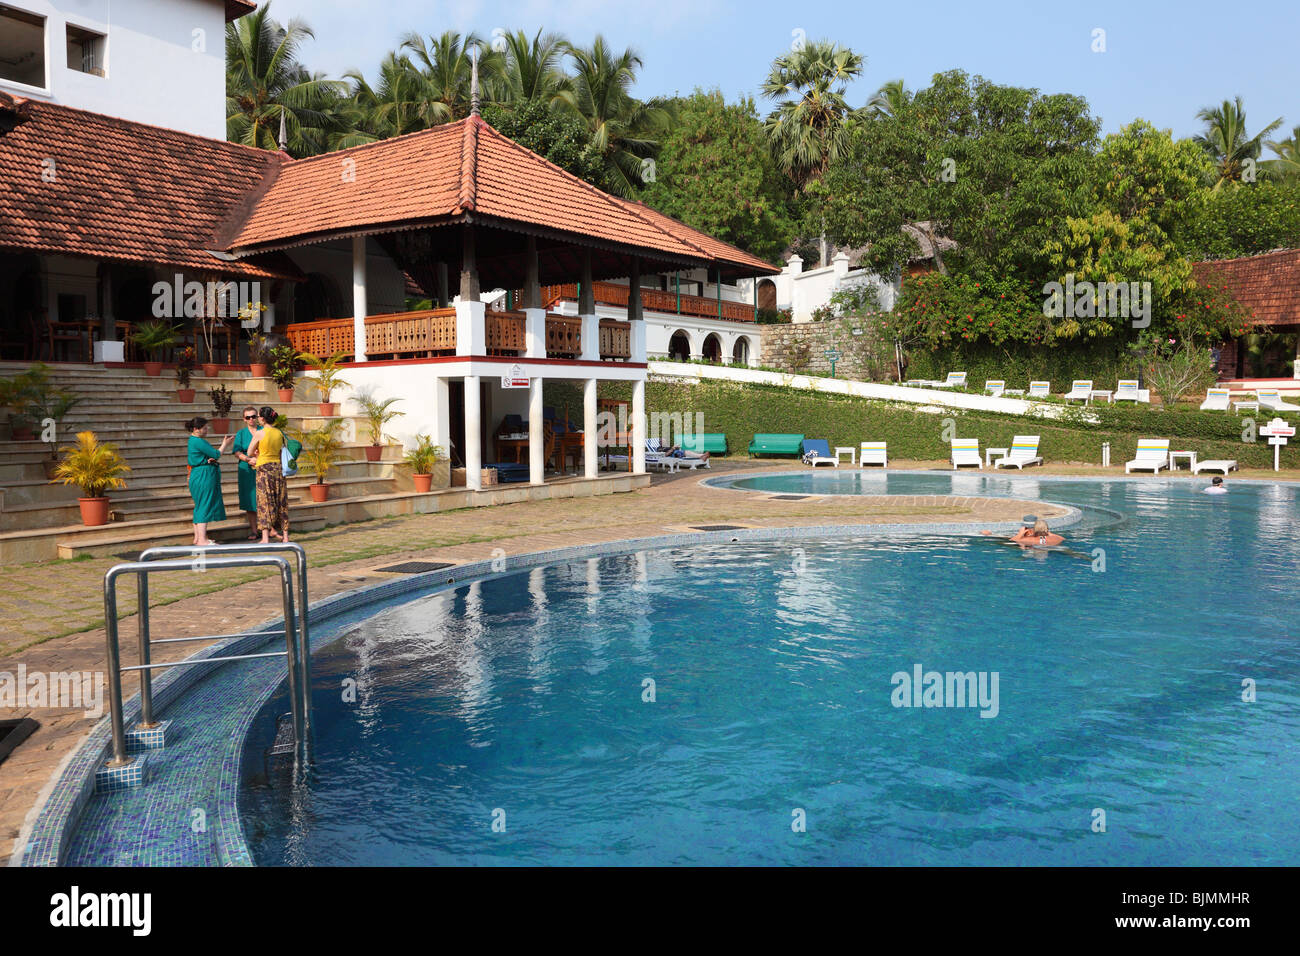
[657, 300]
[432, 332]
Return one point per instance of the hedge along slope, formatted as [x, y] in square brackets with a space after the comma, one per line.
[743, 410]
[1105, 362]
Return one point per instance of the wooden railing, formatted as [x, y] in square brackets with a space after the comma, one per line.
[433, 332]
[426, 333]
[611, 293]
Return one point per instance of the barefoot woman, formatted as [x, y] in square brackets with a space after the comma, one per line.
[205, 478]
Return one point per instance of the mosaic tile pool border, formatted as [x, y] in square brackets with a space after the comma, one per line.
[57, 819]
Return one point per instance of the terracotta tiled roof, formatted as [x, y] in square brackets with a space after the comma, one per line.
[1268, 285]
[440, 175]
[122, 190]
[712, 247]
[238, 8]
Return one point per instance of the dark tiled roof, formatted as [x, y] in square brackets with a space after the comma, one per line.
[83, 184]
[1268, 284]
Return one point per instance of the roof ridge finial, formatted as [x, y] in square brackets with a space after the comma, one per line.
[473, 81]
[284, 136]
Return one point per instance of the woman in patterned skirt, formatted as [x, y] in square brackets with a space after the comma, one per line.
[272, 491]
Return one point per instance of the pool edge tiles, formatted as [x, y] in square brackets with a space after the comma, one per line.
[58, 817]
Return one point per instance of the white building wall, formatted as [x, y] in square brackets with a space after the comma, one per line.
[803, 293]
[164, 62]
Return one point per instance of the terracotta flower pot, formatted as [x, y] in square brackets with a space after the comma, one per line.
[423, 483]
[220, 426]
[210, 369]
[319, 491]
[186, 395]
[374, 452]
[153, 369]
[286, 395]
[94, 511]
[22, 433]
[257, 370]
[328, 409]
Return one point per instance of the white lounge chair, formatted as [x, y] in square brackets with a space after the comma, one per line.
[995, 386]
[1024, 451]
[1224, 465]
[1152, 455]
[1271, 399]
[1126, 390]
[1216, 400]
[1081, 389]
[954, 380]
[1040, 389]
[873, 453]
[966, 451]
[654, 450]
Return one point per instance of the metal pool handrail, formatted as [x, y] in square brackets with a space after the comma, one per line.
[299, 699]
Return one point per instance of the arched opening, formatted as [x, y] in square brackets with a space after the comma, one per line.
[679, 347]
[740, 351]
[766, 294]
[712, 349]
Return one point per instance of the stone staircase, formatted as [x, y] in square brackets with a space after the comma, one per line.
[143, 417]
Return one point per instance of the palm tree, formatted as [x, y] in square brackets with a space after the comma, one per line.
[624, 130]
[394, 107]
[531, 68]
[809, 127]
[889, 99]
[1287, 164]
[444, 63]
[1225, 140]
[265, 84]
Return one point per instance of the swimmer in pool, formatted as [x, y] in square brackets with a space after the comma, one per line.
[1034, 534]
[1217, 487]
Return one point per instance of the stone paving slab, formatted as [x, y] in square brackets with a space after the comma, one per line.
[59, 627]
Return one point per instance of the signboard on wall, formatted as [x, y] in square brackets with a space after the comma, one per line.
[515, 378]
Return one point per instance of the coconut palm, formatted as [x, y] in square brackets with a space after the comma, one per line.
[444, 63]
[394, 106]
[531, 69]
[808, 130]
[888, 100]
[266, 85]
[1225, 140]
[624, 130]
[1287, 164]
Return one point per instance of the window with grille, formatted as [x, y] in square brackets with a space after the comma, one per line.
[85, 50]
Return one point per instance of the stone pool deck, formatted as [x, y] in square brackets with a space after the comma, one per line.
[53, 611]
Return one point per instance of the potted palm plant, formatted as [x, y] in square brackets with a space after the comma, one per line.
[422, 459]
[378, 414]
[153, 338]
[184, 369]
[328, 378]
[95, 468]
[222, 399]
[258, 349]
[35, 399]
[284, 366]
[322, 447]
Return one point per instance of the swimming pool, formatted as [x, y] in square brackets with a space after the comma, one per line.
[737, 703]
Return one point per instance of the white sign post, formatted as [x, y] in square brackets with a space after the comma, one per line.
[1278, 431]
[515, 378]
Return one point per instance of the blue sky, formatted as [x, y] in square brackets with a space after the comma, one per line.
[1163, 61]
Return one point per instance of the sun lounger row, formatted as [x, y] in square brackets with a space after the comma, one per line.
[1269, 399]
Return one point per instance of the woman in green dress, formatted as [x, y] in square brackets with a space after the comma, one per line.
[247, 471]
[205, 478]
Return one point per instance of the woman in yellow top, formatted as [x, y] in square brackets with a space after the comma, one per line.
[272, 491]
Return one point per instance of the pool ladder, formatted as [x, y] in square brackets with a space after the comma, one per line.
[297, 641]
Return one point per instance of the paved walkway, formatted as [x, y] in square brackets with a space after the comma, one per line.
[53, 612]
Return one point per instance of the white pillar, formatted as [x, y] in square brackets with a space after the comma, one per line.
[473, 450]
[638, 426]
[536, 435]
[589, 469]
[441, 415]
[471, 328]
[590, 338]
[535, 333]
[359, 297]
[268, 318]
[639, 341]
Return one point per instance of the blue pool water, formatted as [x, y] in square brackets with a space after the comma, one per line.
[521, 700]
